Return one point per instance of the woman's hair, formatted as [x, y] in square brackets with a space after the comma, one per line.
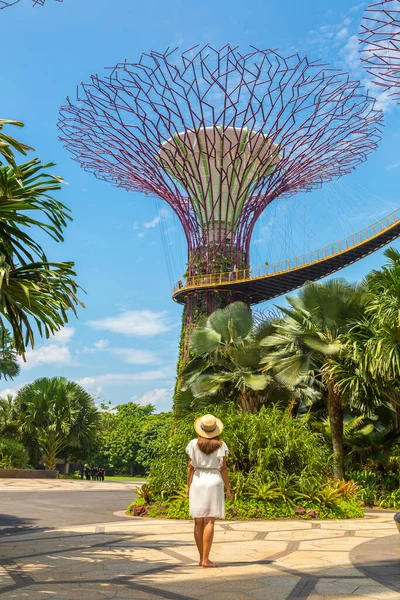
[208, 446]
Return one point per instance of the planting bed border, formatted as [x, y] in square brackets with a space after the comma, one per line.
[27, 474]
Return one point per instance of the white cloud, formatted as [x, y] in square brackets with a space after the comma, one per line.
[393, 166]
[124, 378]
[63, 336]
[8, 392]
[351, 53]
[357, 7]
[51, 354]
[152, 223]
[139, 323]
[101, 344]
[86, 381]
[132, 356]
[160, 397]
[341, 34]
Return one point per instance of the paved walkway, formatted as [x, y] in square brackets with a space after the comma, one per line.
[145, 559]
[37, 485]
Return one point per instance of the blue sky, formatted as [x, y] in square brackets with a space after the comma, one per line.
[129, 249]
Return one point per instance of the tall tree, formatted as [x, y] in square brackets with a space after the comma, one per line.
[9, 366]
[9, 145]
[57, 413]
[226, 365]
[33, 290]
[308, 340]
[375, 341]
[226, 359]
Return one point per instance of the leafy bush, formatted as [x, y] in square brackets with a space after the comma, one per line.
[269, 450]
[391, 500]
[250, 509]
[12, 454]
[374, 485]
[276, 464]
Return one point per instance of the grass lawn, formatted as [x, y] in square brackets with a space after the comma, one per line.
[125, 478]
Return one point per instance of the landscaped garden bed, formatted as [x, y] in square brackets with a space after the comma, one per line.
[243, 510]
[279, 468]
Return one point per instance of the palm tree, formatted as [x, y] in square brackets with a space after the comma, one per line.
[32, 289]
[57, 413]
[308, 341]
[9, 144]
[380, 352]
[7, 416]
[226, 365]
[9, 366]
[226, 359]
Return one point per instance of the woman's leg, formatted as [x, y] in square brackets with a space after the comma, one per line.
[208, 537]
[198, 536]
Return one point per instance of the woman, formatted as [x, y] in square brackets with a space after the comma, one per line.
[207, 474]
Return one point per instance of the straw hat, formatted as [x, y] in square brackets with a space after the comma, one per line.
[208, 426]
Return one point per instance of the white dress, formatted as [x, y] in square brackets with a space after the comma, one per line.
[206, 497]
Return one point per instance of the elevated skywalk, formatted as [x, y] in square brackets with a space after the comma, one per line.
[272, 280]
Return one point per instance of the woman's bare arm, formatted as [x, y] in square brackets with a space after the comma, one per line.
[225, 477]
[190, 474]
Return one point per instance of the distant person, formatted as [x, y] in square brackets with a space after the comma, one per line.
[102, 473]
[82, 472]
[87, 473]
[207, 474]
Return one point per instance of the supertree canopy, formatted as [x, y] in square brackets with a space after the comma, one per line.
[380, 44]
[219, 135]
[8, 3]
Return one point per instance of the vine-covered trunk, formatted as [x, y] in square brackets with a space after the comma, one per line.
[335, 412]
[208, 259]
[249, 401]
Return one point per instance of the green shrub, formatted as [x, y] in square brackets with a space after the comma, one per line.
[270, 450]
[179, 509]
[251, 509]
[391, 500]
[12, 455]
[369, 486]
[276, 463]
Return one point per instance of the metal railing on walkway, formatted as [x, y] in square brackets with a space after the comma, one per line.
[291, 264]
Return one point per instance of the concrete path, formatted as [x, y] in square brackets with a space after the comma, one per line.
[39, 504]
[149, 559]
[73, 485]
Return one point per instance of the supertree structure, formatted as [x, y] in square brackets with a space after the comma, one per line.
[380, 44]
[8, 3]
[219, 135]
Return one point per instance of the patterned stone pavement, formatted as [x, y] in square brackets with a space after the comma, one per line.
[145, 559]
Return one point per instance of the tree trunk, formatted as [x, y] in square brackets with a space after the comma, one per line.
[396, 406]
[249, 401]
[335, 412]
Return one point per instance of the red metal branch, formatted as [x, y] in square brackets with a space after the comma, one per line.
[8, 3]
[219, 135]
[380, 44]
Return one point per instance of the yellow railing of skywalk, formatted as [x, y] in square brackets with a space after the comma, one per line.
[298, 262]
